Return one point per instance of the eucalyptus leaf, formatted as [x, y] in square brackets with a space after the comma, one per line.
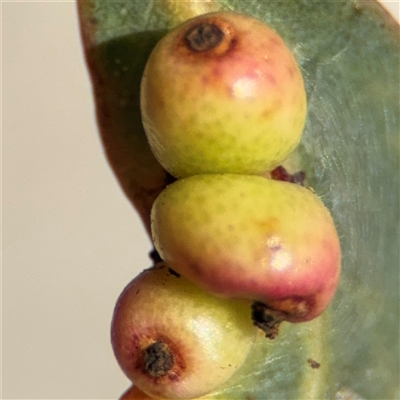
[349, 54]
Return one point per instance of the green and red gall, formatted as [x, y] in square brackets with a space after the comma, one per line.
[176, 341]
[222, 93]
[253, 238]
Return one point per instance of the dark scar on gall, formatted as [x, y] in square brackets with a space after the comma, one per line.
[158, 359]
[204, 36]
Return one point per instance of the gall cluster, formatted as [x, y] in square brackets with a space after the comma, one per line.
[223, 104]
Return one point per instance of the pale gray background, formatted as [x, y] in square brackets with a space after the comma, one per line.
[71, 241]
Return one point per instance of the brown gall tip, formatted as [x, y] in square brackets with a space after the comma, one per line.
[158, 359]
[204, 36]
[267, 319]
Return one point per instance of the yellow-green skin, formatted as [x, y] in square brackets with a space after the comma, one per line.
[250, 237]
[134, 393]
[209, 337]
[238, 108]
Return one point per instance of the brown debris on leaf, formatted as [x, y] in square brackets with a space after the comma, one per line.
[313, 364]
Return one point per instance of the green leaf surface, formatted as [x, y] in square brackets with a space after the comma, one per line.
[349, 54]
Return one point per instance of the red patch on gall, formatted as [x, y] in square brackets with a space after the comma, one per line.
[274, 42]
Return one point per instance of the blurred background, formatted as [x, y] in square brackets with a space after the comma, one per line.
[70, 240]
